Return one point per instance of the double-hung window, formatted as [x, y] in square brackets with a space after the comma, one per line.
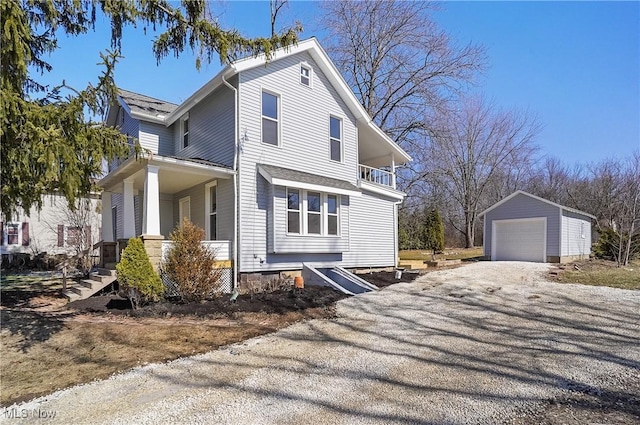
[270, 116]
[332, 215]
[312, 213]
[293, 211]
[185, 131]
[13, 230]
[305, 75]
[335, 138]
[211, 197]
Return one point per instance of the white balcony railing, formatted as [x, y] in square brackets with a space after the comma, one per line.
[222, 249]
[376, 175]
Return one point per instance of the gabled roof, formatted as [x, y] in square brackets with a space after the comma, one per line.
[522, 192]
[139, 104]
[173, 112]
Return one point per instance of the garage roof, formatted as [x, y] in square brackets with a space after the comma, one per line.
[522, 192]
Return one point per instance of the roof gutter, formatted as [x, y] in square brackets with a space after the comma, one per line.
[236, 130]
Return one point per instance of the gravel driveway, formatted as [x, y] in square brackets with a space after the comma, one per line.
[484, 343]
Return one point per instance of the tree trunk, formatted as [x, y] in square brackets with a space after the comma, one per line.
[469, 232]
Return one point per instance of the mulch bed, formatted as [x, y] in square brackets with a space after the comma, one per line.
[382, 279]
[277, 302]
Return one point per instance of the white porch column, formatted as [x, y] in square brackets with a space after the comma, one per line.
[128, 215]
[151, 208]
[393, 171]
[107, 218]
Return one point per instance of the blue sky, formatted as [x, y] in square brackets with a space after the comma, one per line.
[575, 64]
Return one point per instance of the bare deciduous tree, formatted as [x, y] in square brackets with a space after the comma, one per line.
[469, 148]
[398, 62]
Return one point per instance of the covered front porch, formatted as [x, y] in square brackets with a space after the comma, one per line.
[147, 197]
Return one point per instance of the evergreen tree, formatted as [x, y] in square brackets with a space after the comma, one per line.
[433, 231]
[48, 144]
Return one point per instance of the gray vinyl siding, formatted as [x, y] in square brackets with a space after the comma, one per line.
[310, 244]
[576, 234]
[131, 127]
[372, 237]
[225, 209]
[196, 199]
[167, 221]
[522, 206]
[199, 213]
[117, 200]
[304, 146]
[137, 212]
[157, 138]
[211, 129]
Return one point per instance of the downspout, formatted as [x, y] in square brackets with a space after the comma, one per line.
[236, 131]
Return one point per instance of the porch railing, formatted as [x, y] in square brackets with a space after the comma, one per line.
[376, 175]
[222, 249]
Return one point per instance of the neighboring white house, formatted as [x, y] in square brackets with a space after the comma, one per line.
[53, 230]
[278, 162]
[525, 227]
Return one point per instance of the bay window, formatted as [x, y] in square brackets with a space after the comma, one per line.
[312, 213]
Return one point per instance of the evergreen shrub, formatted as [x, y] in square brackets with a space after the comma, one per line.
[137, 279]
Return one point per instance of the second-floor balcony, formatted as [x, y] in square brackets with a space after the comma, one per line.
[377, 175]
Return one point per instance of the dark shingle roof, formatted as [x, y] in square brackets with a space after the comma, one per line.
[145, 104]
[302, 177]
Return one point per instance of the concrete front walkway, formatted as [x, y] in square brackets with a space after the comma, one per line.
[468, 345]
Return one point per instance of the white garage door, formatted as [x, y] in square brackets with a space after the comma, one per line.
[519, 240]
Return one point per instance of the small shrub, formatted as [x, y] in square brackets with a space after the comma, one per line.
[136, 276]
[190, 264]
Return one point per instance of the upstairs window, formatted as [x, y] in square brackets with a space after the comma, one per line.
[335, 138]
[270, 112]
[185, 131]
[305, 75]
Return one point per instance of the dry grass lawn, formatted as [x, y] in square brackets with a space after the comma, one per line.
[46, 347]
[448, 254]
[602, 273]
[71, 351]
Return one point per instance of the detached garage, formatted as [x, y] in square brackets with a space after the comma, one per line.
[525, 227]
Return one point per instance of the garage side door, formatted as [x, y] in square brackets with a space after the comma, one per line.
[519, 240]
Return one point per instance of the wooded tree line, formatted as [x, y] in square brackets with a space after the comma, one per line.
[468, 152]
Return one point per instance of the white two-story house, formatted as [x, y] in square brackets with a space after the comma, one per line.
[278, 162]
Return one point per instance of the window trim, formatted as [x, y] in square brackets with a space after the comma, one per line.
[340, 140]
[183, 133]
[207, 210]
[298, 211]
[330, 214]
[319, 213]
[303, 211]
[18, 233]
[114, 222]
[305, 66]
[278, 120]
